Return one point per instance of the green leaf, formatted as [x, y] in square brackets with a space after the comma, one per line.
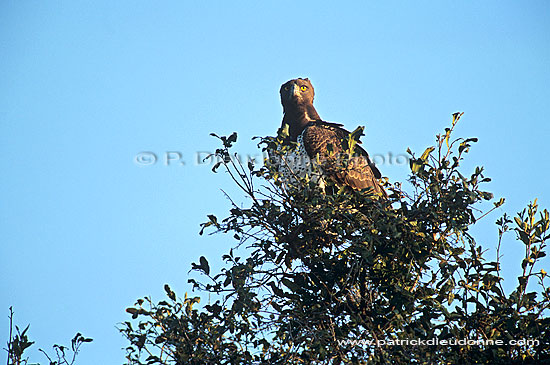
[169, 292]
[216, 166]
[427, 153]
[232, 138]
[204, 265]
[290, 284]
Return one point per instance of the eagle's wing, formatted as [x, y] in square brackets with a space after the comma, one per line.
[361, 151]
[323, 141]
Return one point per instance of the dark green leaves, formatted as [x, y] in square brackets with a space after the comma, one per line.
[18, 342]
[169, 292]
[416, 164]
[213, 221]
[227, 141]
[202, 266]
[352, 139]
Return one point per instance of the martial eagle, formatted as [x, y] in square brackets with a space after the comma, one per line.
[317, 142]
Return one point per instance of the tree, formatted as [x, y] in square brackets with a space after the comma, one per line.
[348, 277]
[19, 342]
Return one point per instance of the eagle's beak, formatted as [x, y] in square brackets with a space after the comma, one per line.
[294, 92]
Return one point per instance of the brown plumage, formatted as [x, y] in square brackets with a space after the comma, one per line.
[323, 141]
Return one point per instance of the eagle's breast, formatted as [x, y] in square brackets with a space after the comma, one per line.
[296, 164]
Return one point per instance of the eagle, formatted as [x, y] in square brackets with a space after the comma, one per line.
[326, 145]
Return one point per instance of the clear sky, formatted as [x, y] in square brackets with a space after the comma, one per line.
[87, 85]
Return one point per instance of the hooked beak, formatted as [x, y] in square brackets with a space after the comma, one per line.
[294, 93]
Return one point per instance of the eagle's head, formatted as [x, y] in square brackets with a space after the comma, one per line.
[297, 92]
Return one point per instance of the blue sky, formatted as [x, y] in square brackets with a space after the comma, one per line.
[86, 86]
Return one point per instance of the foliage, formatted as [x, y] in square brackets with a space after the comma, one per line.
[349, 277]
[18, 343]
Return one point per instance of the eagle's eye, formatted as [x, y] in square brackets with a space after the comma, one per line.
[303, 88]
[287, 88]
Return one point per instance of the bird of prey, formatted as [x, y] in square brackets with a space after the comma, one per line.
[326, 145]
